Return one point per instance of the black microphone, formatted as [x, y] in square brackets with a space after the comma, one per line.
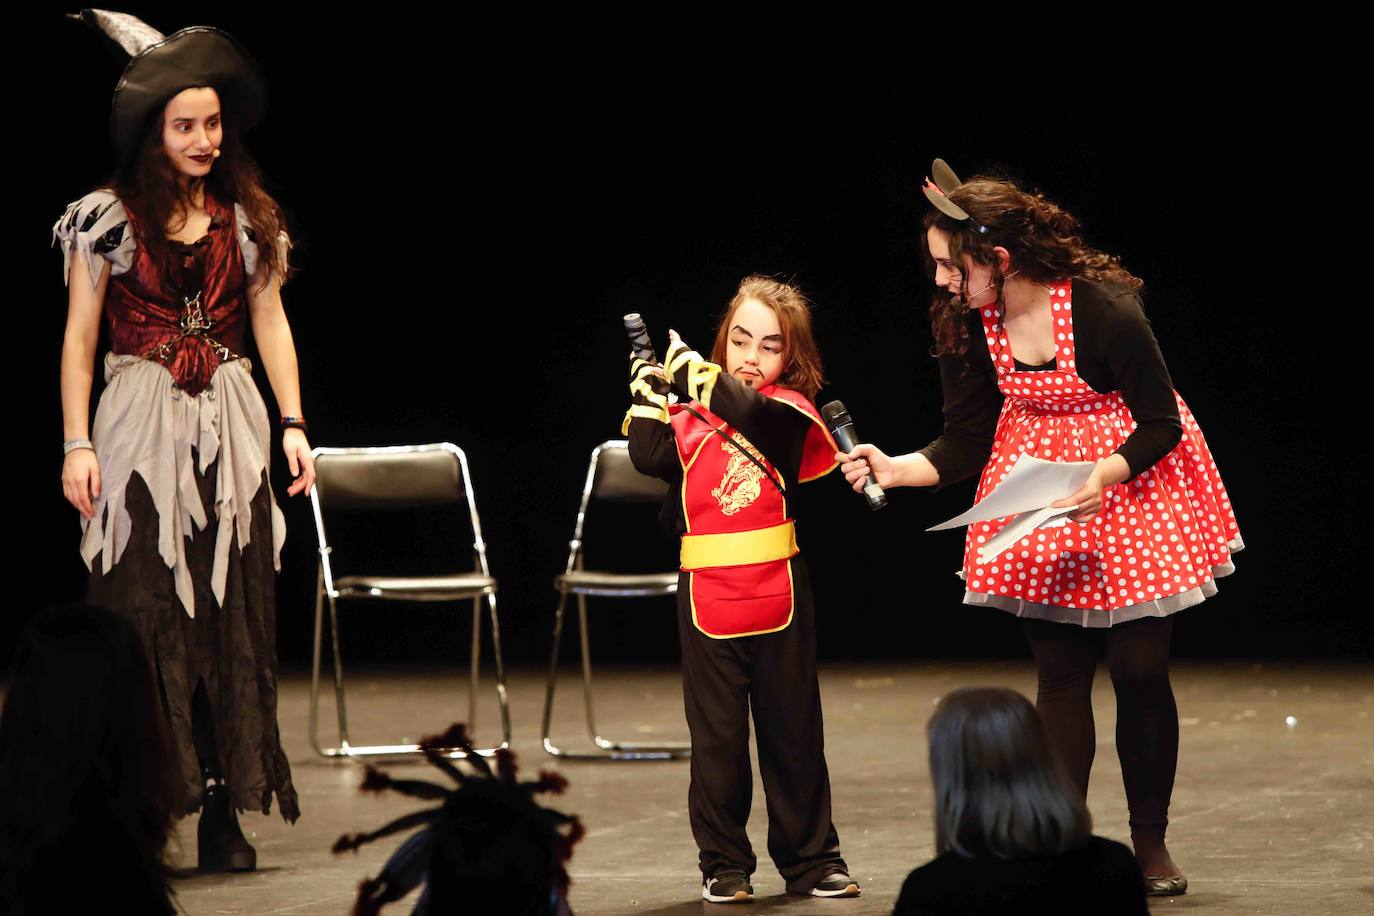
[842, 428]
[639, 338]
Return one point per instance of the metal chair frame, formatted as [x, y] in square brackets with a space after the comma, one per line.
[570, 582]
[326, 588]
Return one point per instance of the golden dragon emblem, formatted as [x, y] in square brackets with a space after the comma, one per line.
[743, 480]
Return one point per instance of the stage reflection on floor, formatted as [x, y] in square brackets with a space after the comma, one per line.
[1273, 811]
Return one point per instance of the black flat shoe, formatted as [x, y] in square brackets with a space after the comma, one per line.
[220, 843]
[1166, 885]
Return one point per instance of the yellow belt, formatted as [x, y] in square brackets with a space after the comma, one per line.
[739, 548]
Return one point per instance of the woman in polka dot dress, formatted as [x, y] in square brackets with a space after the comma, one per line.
[1045, 350]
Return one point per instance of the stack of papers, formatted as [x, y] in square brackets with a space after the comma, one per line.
[1025, 494]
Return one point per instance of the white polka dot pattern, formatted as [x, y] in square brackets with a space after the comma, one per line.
[1159, 540]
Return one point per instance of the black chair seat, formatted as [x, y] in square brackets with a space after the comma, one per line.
[589, 581]
[459, 585]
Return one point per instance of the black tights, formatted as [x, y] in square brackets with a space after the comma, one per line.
[1146, 716]
[203, 734]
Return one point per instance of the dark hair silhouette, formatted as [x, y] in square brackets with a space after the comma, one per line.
[999, 790]
[84, 785]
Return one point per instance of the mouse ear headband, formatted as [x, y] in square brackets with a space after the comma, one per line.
[938, 191]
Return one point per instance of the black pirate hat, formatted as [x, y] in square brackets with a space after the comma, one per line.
[161, 66]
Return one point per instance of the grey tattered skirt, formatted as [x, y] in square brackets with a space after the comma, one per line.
[185, 544]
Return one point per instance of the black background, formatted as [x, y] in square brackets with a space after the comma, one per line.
[475, 207]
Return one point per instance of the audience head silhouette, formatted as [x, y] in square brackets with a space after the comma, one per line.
[999, 790]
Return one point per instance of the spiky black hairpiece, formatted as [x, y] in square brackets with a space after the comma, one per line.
[409, 865]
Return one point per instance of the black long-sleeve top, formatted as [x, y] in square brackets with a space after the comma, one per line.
[1102, 877]
[776, 429]
[1114, 350]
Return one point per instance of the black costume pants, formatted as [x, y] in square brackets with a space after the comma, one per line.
[1146, 716]
[775, 674]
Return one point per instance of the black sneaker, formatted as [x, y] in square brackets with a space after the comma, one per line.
[836, 884]
[727, 887]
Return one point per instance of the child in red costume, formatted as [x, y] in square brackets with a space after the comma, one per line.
[744, 432]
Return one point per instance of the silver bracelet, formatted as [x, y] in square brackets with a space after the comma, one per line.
[72, 445]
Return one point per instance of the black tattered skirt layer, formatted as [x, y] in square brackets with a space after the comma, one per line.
[228, 647]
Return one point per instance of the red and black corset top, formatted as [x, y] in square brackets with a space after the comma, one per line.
[153, 315]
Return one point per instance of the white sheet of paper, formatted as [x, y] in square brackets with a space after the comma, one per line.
[1019, 527]
[1031, 484]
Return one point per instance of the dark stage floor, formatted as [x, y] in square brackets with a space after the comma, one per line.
[1268, 816]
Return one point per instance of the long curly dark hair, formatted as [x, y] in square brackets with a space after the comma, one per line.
[1042, 239]
[148, 186]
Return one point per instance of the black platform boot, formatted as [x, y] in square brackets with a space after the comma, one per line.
[221, 845]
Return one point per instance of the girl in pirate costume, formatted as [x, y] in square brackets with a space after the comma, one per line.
[180, 252]
[1045, 350]
[742, 435]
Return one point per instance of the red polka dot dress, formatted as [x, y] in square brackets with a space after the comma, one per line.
[1160, 541]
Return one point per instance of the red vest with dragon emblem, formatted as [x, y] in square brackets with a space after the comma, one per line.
[739, 539]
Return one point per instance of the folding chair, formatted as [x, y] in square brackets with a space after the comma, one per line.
[398, 477]
[610, 477]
